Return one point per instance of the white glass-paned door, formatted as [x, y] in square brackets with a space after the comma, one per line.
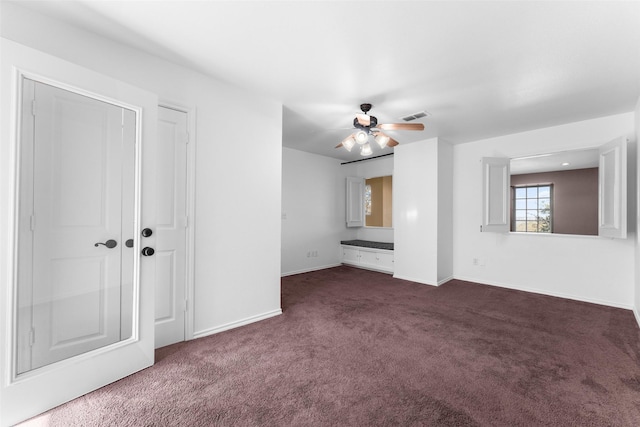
[73, 301]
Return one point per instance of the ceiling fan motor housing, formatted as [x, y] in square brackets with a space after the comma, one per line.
[373, 121]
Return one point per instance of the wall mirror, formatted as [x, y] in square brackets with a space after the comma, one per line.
[555, 193]
[378, 201]
[76, 220]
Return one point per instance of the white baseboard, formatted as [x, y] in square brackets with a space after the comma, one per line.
[237, 323]
[412, 279]
[551, 294]
[637, 315]
[307, 270]
[445, 280]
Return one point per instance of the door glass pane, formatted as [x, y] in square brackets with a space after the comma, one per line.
[77, 183]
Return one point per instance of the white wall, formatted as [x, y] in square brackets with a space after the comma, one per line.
[422, 206]
[415, 211]
[313, 211]
[232, 187]
[591, 269]
[445, 209]
[637, 245]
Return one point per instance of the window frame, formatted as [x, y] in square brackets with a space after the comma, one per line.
[514, 200]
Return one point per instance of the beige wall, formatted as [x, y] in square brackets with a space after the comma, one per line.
[381, 202]
[387, 195]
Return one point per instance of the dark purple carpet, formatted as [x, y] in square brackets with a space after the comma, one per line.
[358, 348]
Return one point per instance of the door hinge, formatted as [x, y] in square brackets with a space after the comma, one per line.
[33, 107]
[32, 336]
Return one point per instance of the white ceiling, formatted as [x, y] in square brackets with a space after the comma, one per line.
[563, 160]
[481, 69]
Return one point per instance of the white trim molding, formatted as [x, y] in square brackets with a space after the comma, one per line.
[551, 294]
[237, 323]
[420, 281]
[309, 270]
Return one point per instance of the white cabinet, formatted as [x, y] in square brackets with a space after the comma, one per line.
[369, 258]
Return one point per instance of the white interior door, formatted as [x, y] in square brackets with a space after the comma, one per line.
[171, 304]
[82, 179]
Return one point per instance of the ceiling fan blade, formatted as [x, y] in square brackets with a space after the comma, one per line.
[392, 142]
[339, 145]
[363, 119]
[401, 126]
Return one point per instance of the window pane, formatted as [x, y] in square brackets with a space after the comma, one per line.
[532, 204]
[521, 226]
[532, 192]
[521, 204]
[521, 193]
[521, 215]
[544, 191]
[544, 204]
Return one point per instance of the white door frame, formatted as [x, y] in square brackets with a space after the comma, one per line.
[26, 395]
[191, 192]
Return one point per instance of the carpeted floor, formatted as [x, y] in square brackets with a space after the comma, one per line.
[359, 348]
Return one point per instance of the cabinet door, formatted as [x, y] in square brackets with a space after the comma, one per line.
[495, 194]
[368, 258]
[385, 261]
[612, 213]
[350, 255]
[355, 201]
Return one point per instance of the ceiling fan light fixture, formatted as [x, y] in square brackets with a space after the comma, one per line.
[365, 150]
[361, 137]
[382, 140]
[348, 142]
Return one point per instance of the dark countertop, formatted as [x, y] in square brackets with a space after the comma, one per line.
[368, 244]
